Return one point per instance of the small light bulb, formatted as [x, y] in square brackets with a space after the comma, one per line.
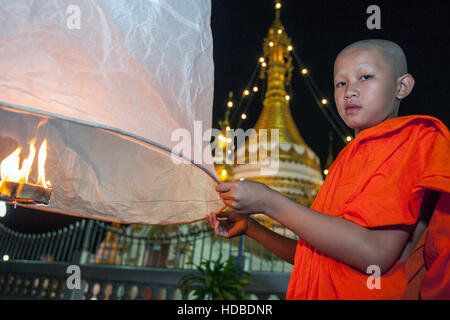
[290, 48]
[255, 89]
[5, 257]
[261, 59]
[270, 44]
[288, 97]
[280, 31]
[325, 172]
[230, 104]
[224, 172]
[263, 64]
[349, 139]
[304, 71]
[277, 5]
[244, 116]
[228, 128]
[246, 92]
[324, 101]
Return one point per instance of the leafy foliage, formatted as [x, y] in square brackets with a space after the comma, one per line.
[217, 281]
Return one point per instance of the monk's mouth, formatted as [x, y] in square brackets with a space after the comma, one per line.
[352, 109]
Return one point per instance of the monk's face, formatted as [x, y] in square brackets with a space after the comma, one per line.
[364, 88]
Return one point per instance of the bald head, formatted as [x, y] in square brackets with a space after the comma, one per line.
[390, 51]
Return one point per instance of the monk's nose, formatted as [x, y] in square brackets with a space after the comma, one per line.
[351, 92]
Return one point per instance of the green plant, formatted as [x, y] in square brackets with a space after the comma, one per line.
[217, 281]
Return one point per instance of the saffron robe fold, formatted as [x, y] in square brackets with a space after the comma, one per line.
[436, 283]
[377, 180]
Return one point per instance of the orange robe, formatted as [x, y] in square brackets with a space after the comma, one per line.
[377, 180]
[436, 283]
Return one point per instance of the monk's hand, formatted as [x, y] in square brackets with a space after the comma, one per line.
[246, 196]
[228, 224]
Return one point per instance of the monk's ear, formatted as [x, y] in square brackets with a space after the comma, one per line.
[405, 84]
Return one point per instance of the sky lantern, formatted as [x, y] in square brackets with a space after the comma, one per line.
[120, 95]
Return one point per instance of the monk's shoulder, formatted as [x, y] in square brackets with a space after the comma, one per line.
[427, 126]
[406, 140]
[415, 131]
[424, 142]
[425, 136]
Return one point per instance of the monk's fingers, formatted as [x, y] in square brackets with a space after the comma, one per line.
[220, 232]
[230, 215]
[230, 202]
[222, 229]
[216, 224]
[223, 214]
[222, 209]
[218, 228]
[231, 195]
[210, 218]
[227, 195]
[226, 187]
[223, 187]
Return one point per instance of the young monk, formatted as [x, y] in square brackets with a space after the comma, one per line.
[369, 211]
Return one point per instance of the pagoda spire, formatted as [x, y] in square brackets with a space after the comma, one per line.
[277, 10]
[298, 174]
[276, 114]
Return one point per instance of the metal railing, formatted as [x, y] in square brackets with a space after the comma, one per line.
[48, 280]
[50, 246]
[128, 261]
[113, 244]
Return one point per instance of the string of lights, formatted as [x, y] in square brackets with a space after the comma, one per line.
[323, 103]
[252, 88]
[320, 103]
[255, 89]
[245, 94]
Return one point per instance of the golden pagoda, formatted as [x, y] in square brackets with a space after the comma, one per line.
[223, 167]
[299, 175]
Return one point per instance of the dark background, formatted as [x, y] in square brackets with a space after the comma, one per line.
[319, 30]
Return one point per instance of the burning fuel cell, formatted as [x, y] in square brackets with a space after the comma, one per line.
[24, 192]
[14, 185]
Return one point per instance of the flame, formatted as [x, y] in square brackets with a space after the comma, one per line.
[27, 163]
[41, 164]
[10, 166]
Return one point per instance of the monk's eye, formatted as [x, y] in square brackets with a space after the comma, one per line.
[366, 77]
[340, 84]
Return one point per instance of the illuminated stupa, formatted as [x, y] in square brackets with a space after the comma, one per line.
[299, 175]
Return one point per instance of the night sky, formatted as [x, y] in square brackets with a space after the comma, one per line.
[319, 30]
